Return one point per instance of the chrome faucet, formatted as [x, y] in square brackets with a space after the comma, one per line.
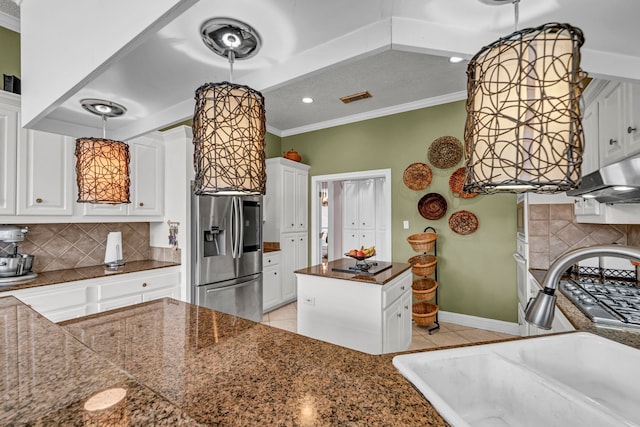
[540, 309]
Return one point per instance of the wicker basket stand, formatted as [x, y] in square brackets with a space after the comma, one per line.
[424, 288]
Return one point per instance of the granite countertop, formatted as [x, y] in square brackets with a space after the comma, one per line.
[326, 270]
[48, 376]
[582, 323]
[83, 273]
[223, 370]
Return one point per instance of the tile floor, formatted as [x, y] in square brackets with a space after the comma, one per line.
[449, 333]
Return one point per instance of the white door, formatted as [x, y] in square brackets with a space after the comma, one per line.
[350, 205]
[301, 200]
[632, 125]
[289, 258]
[610, 124]
[289, 188]
[367, 204]
[147, 161]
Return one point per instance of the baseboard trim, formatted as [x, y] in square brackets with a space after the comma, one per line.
[480, 322]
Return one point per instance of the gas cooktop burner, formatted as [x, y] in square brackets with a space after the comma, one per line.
[610, 302]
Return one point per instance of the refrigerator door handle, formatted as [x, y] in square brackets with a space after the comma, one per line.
[240, 227]
[225, 288]
[234, 240]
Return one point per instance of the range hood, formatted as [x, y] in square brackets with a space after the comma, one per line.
[615, 183]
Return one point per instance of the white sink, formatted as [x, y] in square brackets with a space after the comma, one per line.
[577, 379]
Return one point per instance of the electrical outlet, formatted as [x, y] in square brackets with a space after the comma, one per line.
[405, 225]
[309, 300]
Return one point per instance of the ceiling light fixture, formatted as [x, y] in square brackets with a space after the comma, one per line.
[456, 59]
[307, 100]
[524, 130]
[229, 119]
[102, 165]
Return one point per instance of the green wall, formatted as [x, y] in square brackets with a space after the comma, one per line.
[476, 272]
[273, 146]
[9, 52]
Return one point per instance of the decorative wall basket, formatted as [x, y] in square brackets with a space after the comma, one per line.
[445, 152]
[456, 184]
[463, 222]
[432, 206]
[417, 176]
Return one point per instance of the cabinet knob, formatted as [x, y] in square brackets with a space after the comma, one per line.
[406, 307]
[140, 204]
[144, 285]
[399, 314]
[38, 200]
[612, 141]
[292, 225]
[275, 273]
[293, 240]
[363, 223]
[630, 129]
[268, 260]
[402, 288]
[301, 239]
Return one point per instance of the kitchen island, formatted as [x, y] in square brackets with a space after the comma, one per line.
[367, 311]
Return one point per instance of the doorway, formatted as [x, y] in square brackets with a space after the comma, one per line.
[332, 197]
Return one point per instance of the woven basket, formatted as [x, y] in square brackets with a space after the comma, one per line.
[424, 313]
[424, 289]
[423, 265]
[422, 242]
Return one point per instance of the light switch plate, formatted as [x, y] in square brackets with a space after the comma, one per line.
[405, 225]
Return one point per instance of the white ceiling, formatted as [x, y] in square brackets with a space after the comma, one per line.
[395, 49]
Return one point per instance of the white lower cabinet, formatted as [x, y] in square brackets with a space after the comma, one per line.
[271, 281]
[75, 299]
[367, 317]
[294, 250]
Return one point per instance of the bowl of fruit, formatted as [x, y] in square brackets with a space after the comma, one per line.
[362, 253]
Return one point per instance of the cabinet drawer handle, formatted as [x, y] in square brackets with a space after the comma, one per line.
[293, 240]
[141, 204]
[630, 129]
[38, 200]
[144, 285]
[612, 141]
[402, 288]
[268, 260]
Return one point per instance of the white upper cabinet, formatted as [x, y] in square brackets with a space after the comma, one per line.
[359, 204]
[285, 202]
[590, 156]
[9, 119]
[147, 189]
[610, 124]
[632, 125]
[45, 174]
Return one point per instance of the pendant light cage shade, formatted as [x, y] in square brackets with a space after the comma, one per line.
[523, 129]
[228, 138]
[102, 171]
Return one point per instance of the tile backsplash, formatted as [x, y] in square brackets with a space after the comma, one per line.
[62, 246]
[553, 230]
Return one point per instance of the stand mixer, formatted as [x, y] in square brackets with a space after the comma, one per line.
[15, 267]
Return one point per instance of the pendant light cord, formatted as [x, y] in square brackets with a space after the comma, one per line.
[104, 127]
[516, 11]
[232, 57]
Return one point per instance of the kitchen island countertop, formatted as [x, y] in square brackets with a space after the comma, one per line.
[326, 270]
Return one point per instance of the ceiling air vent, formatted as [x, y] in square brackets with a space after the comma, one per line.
[356, 97]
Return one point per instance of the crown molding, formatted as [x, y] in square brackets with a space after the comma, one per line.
[401, 108]
[10, 22]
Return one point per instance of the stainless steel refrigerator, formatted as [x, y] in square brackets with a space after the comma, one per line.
[226, 261]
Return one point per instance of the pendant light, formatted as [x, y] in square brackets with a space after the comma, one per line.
[523, 129]
[102, 165]
[229, 119]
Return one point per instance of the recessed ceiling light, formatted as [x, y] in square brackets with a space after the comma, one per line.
[455, 59]
[588, 196]
[307, 100]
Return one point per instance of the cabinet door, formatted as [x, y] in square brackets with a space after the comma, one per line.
[172, 292]
[147, 183]
[302, 251]
[271, 287]
[367, 204]
[406, 321]
[301, 196]
[350, 240]
[289, 258]
[590, 156]
[8, 141]
[610, 125]
[350, 205]
[392, 334]
[45, 171]
[632, 126]
[289, 215]
[367, 238]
